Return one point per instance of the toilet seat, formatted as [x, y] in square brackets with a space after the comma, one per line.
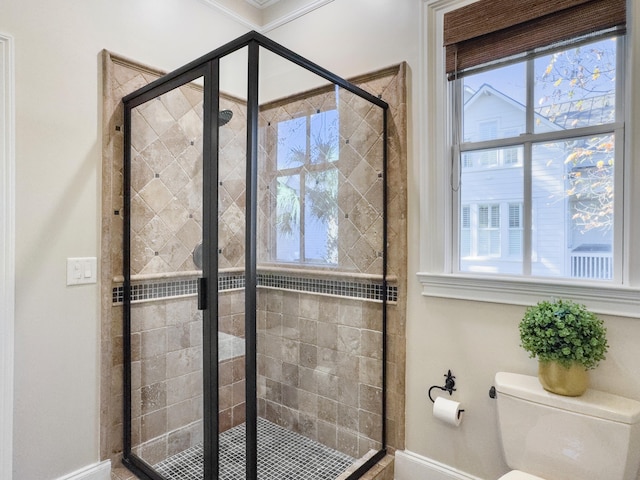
[519, 475]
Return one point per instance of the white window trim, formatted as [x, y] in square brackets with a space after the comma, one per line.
[7, 252]
[436, 233]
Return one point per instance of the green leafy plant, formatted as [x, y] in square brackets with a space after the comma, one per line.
[565, 332]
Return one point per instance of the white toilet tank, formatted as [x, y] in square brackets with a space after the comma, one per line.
[592, 437]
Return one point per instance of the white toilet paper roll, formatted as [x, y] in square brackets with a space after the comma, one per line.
[448, 411]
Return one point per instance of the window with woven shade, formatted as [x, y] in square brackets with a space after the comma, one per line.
[538, 123]
[529, 112]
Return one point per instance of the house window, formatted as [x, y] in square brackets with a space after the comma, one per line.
[488, 130]
[490, 236]
[489, 230]
[501, 157]
[574, 217]
[307, 189]
[559, 128]
[465, 231]
[515, 229]
[511, 156]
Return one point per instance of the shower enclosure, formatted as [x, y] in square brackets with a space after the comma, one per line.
[255, 288]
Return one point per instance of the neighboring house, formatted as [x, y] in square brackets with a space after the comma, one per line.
[570, 238]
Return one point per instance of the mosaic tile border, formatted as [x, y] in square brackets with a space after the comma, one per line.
[341, 288]
[153, 290]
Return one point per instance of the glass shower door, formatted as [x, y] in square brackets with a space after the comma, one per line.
[185, 263]
[163, 249]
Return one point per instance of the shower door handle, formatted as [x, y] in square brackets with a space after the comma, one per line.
[202, 293]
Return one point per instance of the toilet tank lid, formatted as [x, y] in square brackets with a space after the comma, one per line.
[593, 402]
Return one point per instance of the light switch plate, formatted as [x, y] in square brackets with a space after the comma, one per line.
[82, 270]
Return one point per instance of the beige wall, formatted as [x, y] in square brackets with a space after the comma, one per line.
[58, 154]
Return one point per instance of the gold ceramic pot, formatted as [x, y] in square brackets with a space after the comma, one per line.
[569, 381]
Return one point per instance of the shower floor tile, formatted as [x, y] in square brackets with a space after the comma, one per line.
[282, 455]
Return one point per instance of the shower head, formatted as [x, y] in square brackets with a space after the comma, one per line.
[224, 116]
[197, 256]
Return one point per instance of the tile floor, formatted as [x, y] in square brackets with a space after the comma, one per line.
[282, 455]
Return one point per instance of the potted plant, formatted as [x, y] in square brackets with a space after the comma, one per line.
[568, 340]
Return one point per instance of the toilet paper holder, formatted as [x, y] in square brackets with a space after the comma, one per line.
[449, 385]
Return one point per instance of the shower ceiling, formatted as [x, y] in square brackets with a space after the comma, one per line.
[265, 15]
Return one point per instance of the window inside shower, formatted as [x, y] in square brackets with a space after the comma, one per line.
[307, 188]
[255, 285]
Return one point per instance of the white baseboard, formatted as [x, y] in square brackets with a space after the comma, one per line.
[98, 471]
[411, 466]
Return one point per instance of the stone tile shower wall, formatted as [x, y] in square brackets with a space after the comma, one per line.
[166, 177]
[320, 370]
[166, 181]
[231, 367]
[324, 334]
[167, 377]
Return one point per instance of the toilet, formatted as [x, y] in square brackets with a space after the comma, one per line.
[552, 437]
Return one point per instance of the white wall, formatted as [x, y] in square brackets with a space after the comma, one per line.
[58, 165]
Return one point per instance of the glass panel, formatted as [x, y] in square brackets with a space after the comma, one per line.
[502, 92]
[166, 238]
[232, 212]
[491, 192]
[573, 193]
[319, 326]
[576, 87]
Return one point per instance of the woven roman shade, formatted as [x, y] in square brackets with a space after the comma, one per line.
[490, 30]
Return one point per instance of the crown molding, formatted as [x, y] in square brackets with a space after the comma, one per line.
[262, 18]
